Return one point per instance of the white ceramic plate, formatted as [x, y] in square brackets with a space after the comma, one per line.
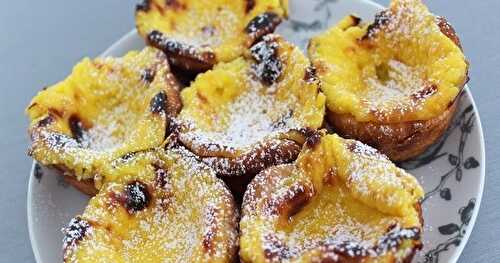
[452, 172]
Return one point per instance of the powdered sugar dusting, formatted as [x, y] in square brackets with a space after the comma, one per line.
[344, 217]
[402, 82]
[404, 20]
[250, 119]
[191, 216]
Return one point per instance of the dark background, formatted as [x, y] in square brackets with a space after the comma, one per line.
[40, 41]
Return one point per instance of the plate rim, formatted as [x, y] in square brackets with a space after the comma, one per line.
[453, 258]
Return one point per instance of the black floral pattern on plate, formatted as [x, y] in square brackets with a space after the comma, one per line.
[464, 123]
[317, 24]
[454, 231]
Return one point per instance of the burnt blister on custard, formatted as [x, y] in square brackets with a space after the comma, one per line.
[244, 116]
[161, 177]
[193, 58]
[137, 197]
[148, 75]
[197, 35]
[262, 25]
[159, 103]
[149, 202]
[381, 19]
[76, 230]
[143, 6]
[269, 66]
[332, 204]
[76, 127]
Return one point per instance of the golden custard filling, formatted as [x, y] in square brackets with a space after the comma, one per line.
[341, 199]
[239, 104]
[402, 67]
[106, 108]
[156, 206]
[224, 28]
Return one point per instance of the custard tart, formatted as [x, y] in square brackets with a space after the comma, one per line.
[106, 108]
[253, 112]
[393, 83]
[340, 201]
[156, 207]
[198, 34]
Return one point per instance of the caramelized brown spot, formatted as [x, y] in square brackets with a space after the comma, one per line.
[320, 67]
[201, 97]
[144, 6]
[350, 251]
[274, 248]
[32, 105]
[448, 30]
[160, 8]
[175, 4]
[210, 233]
[330, 177]
[249, 5]
[357, 147]
[424, 93]
[310, 75]
[262, 25]
[116, 199]
[266, 155]
[148, 75]
[268, 67]
[356, 20]
[295, 202]
[184, 55]
[290, 203]
[137, 197]
[76, 230]
[45, 121]
[184, 77]
[161, 177]
[76, 127]
[56, 112]
[313, 139]
[158, 103]
[396, 236]
[381, 19]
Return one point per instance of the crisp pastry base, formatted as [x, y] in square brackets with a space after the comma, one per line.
[399, 141]
[85, 186]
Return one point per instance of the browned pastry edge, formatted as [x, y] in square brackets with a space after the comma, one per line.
[399, 141]
[196, 59]
[294, 200]
[86, 186]
[237, 172]
[188, 57]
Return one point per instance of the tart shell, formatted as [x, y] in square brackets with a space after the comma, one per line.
[399, 141]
